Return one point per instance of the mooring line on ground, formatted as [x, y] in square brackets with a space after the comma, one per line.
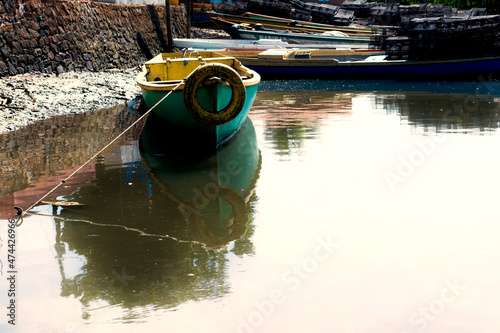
[21, 212]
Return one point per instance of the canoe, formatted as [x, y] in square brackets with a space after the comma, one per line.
[299, 64]
[247, 44]
[252, 32]
[215, 44]
[268, 20]
[331, 39]
[283, 23]
[305, 38]
[209, 95]
[339, 54]
[257, 32]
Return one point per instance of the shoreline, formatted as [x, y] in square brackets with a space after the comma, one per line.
[27, 98]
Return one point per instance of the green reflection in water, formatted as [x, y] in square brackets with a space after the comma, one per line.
[156, 233]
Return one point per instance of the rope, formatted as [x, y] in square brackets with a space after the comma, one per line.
[21, 212]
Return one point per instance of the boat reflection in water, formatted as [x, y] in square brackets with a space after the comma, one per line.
[446, 113]
[157, 229]
[211, 191]
[429, 106]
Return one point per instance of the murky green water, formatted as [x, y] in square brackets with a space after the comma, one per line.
[342, 206]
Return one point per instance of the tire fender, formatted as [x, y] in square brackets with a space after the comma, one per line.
[194, 83]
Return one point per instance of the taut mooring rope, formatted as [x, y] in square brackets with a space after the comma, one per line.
[21, 212]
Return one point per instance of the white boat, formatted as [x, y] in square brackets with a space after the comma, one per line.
[216, 44]
[247, 44]
[360, 42]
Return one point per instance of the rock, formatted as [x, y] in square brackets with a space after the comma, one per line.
[5, 51]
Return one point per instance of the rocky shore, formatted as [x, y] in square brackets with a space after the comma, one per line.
[27, 98]
[61, 56]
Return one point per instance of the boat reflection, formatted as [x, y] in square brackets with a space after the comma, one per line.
[443, 113]
[210, 192]
[291, 117]
[434, 106]
[156, 228]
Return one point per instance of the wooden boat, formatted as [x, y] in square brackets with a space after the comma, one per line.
[273, 21]
[199, 14]
[283, 23]
[216, 44]
[209, 98]
[339, 54]
[298, 64]
[256, 45]
[333, 38]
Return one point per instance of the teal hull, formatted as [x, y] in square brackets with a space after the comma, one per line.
[173, 112]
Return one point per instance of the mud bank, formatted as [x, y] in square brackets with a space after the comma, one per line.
[27, 98]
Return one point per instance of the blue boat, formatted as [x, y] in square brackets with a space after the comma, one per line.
[293, 64]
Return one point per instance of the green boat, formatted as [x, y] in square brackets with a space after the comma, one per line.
[203, 97]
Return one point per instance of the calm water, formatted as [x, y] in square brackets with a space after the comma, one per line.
[342, 206]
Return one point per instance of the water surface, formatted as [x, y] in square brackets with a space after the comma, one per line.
[341, 206]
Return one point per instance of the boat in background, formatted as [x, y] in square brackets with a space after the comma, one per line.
[339, 54]
[262, 45]
[330, 38]
[215, 44]
[283, 23]
[209, 98]
[200, 13]
[298, 64]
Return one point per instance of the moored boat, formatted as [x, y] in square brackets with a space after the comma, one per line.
[283, 23]
[260, 45]
[333, 38]
[219, 43]
[314, 53]
[299, 64]
[209, 95]
[330, 39]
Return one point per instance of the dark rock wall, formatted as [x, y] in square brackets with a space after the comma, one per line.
[58, 36]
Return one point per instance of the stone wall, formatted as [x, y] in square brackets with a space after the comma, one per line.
[54, 36]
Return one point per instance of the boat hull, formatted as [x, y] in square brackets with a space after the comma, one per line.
[225, 21]
[172, 112]
[299, 38]
[216, 44]
[398, 69]
[219, 45]
[191, 94]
